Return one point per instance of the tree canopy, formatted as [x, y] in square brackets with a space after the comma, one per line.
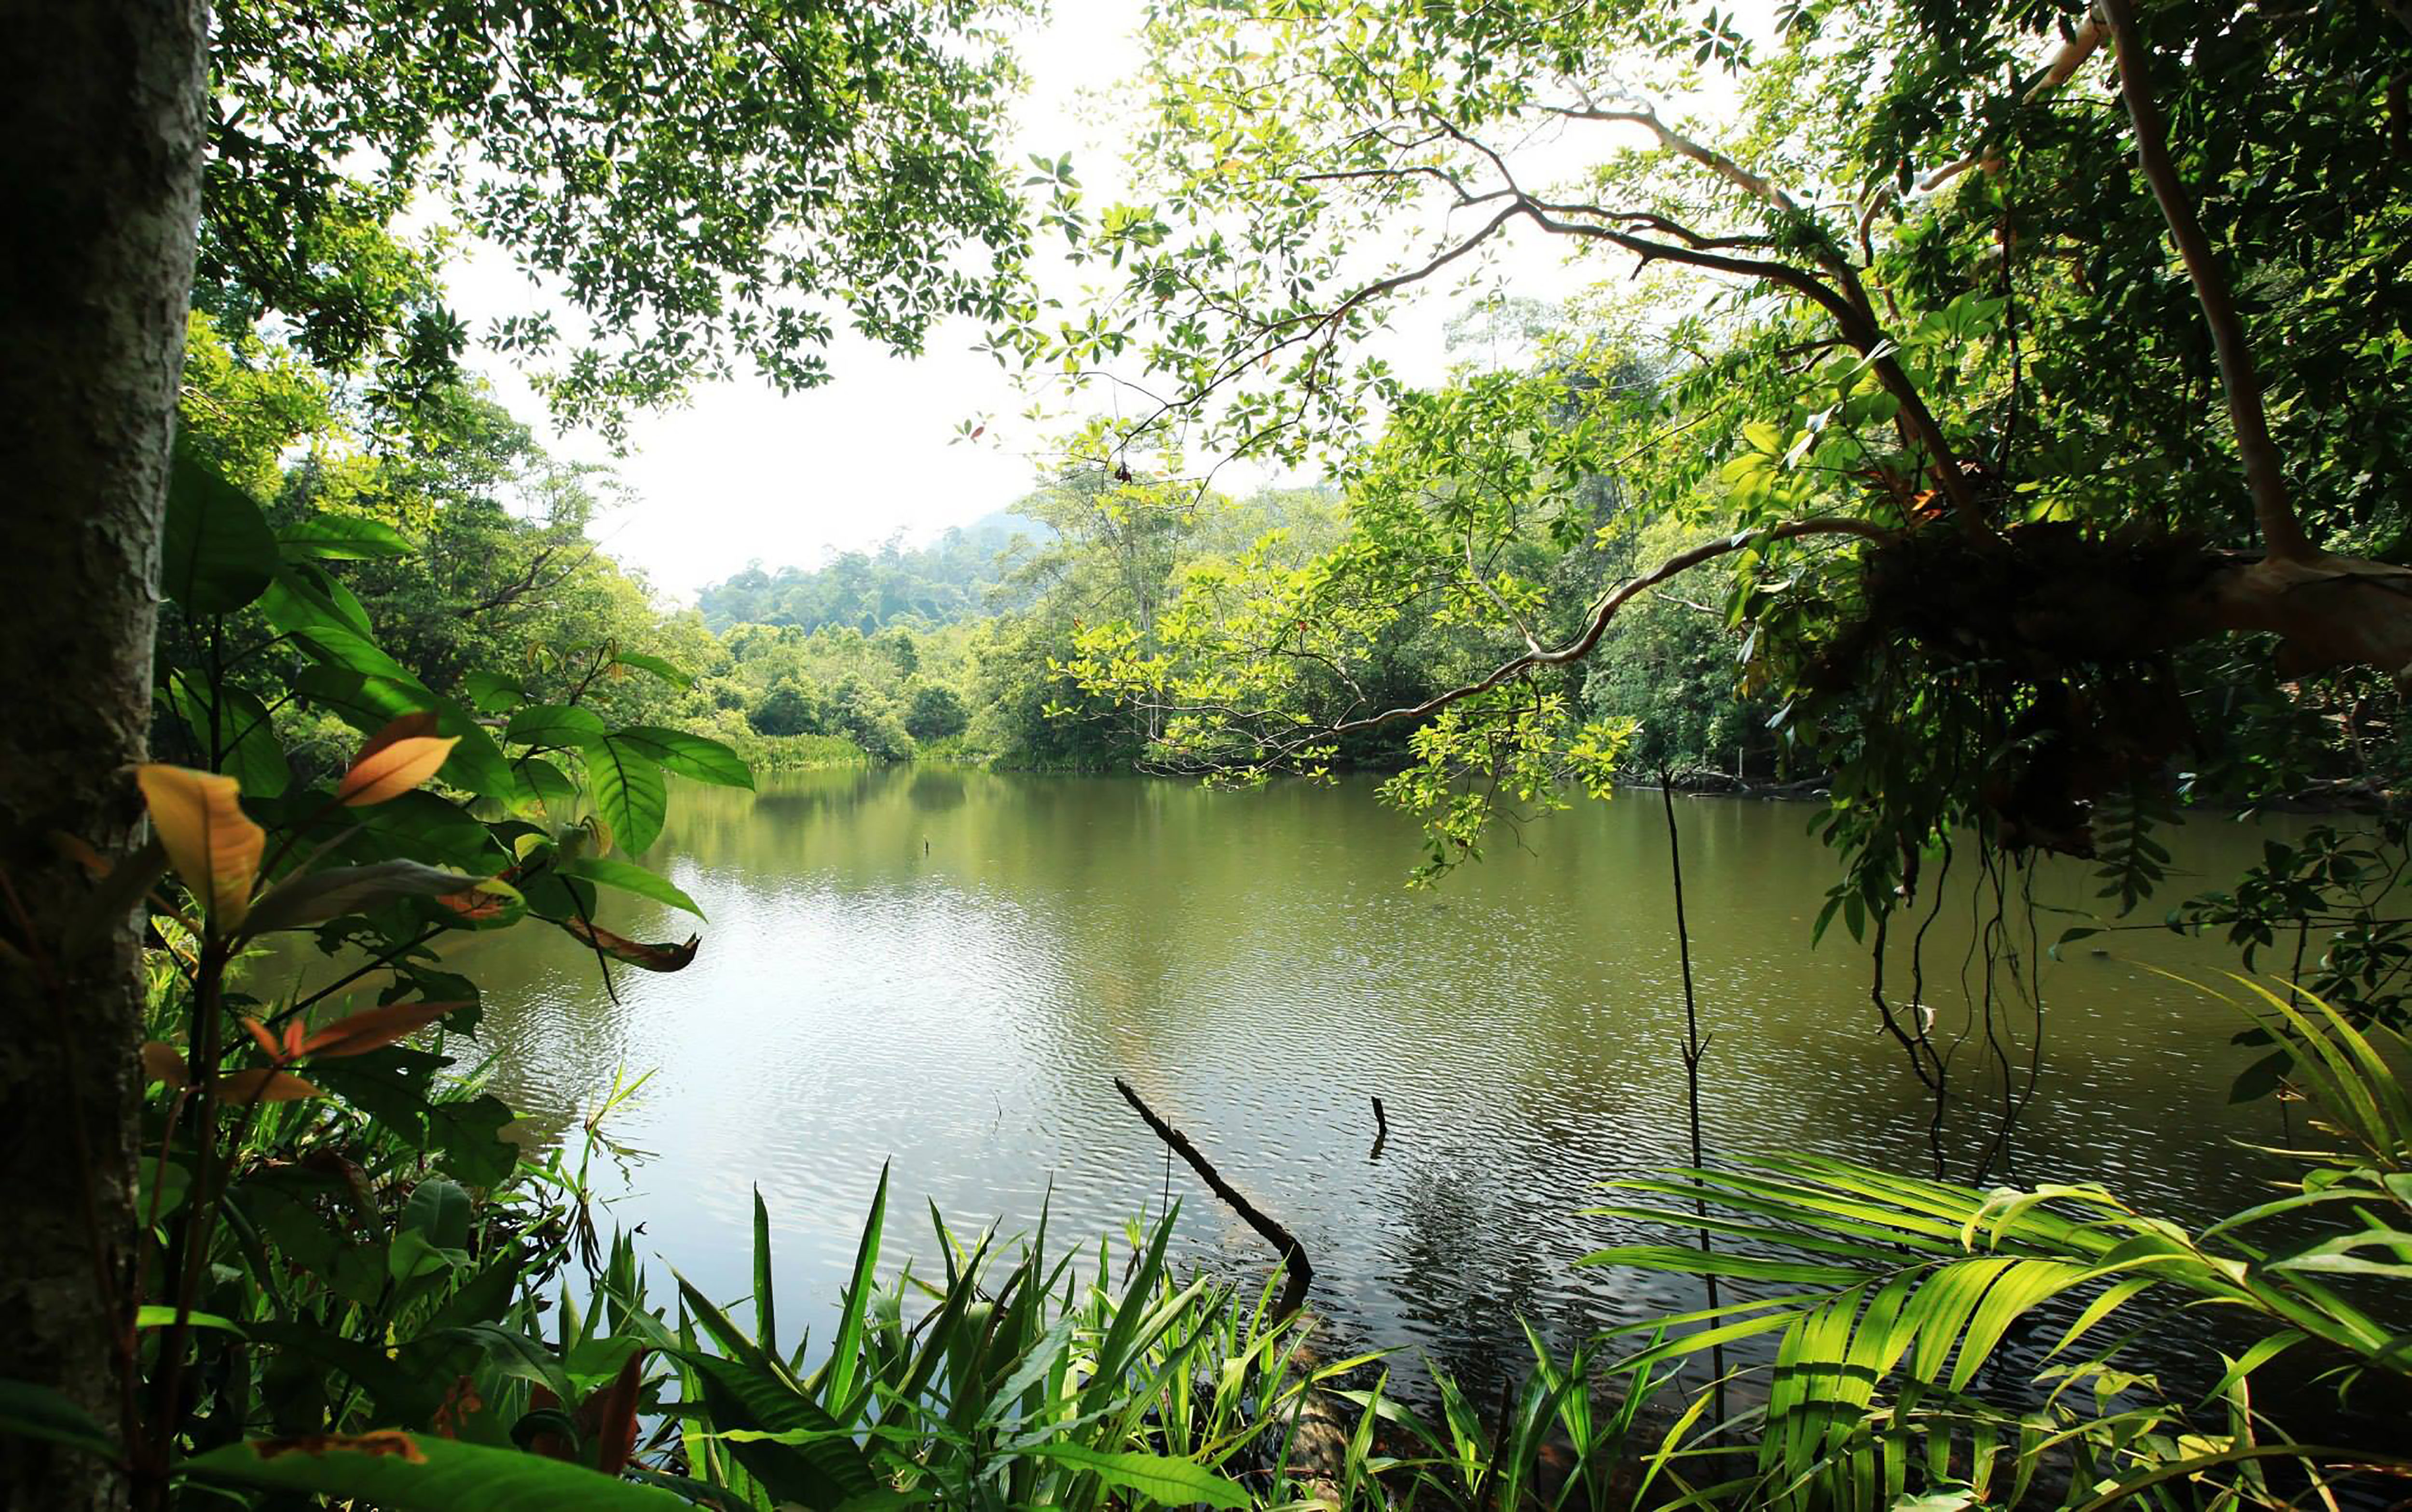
[2014, 365]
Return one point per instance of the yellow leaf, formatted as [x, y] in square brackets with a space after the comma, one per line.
[396, 759]
[211, 844]
[163, 1062]
[264, 1084]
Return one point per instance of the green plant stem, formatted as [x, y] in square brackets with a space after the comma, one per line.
[1694, 1049]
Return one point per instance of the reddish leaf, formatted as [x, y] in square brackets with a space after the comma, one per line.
[374, 1028]
[651, 957]
[607, 1418]
[396, 759]
[548, 1442]
[488, 900]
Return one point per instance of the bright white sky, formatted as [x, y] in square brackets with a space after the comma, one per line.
[743, 472]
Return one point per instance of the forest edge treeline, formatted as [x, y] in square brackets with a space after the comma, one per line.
[2060, 369]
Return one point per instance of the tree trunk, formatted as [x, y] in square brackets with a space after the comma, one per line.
[100, 135]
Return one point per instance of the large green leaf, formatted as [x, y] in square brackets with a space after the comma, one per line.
[553, 725]
[629, 793]
[342, 537]
[38, 1412]
[243, 732]
[689, 755]
[667, 671]
[305, 595]
[493, 693]
[1156, 1476]
[216, 552]
[411, 1472]
[823, 1468]
[628, 878]
[368, 703]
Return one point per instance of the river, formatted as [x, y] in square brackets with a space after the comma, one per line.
[944, 969]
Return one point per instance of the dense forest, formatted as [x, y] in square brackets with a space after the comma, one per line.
[1986, 421]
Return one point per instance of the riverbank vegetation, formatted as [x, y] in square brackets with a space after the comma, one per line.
[2005, 430]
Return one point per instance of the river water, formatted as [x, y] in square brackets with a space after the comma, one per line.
[944, 969]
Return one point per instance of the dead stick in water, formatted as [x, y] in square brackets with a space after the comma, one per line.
[1297, 1271]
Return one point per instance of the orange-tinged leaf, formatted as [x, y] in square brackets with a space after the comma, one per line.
[396, 759]
[486, 900]
[374, 1028]
[635, 952]
[264, 1084]
[383, 1440]
[267, 1041]
[212, 844]
[163, 1062]
[79, 850]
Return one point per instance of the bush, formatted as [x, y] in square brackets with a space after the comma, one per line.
[787, 709]
[935, 713]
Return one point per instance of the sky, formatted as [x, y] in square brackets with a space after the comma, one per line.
[743, 473]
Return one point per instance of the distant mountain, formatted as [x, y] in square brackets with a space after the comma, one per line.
[949, 579]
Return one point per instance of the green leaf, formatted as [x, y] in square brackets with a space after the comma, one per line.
[628, 878]
[828, 1469]
[244, 731]
[655, 665]
[152, 1315]
[545, 781]
[440, 1210]
[1158, 1477]
[492, 693]
[216, 552]
[38, 1412]
[411, 1472]
[565, 726]
[689, 755]
[843, 1353]
[305, 595]
[629, 794]
[766, 1315]
[342, 537]
[368, 703]
[470, 1132]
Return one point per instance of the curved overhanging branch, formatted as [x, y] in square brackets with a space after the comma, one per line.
[2273, 510]
[1857, 326]
[1607, 610]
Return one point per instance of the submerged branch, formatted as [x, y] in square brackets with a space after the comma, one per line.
[1296, 1272]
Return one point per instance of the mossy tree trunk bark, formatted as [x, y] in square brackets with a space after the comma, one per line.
[100, 147]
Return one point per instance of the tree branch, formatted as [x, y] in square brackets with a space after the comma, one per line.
[2273, 510]
[1608, 609]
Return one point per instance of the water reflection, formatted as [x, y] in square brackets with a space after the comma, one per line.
[944, 969]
